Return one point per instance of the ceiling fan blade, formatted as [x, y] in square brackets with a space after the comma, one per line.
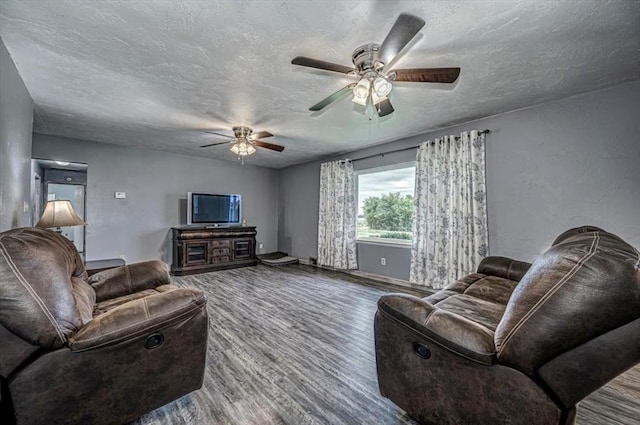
[426, 75]
[269, 146]
[405, 28]
[214, 144]
[260, 135]
[384, 108]
[327, 66]
[332, 98]
[220, 134]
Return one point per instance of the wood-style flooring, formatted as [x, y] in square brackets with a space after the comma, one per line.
[295, 345]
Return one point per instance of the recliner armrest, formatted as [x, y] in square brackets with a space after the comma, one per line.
[138, 317]
[449, 330]
[607, 355]
[129, 279]
[504, 267]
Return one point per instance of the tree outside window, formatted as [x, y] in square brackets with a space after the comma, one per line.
[385, 204]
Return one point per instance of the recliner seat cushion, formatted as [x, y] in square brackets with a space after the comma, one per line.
[485, 313]
[477, 297]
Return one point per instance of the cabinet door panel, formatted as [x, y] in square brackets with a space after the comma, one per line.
[242, 249]
[196, 253]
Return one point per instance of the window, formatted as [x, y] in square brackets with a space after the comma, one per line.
[385, 203]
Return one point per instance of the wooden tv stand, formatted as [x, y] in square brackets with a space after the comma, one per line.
[204, 249]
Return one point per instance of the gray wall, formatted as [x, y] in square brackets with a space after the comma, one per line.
[16, 125]
[156, 185]
[549, 167]
[298, 220]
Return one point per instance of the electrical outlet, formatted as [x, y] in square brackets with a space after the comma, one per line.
[383, 261]
[260, 245]
[25, 207]
[120, 195]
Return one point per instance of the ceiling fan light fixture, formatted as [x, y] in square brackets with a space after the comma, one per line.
[361, 90]
[243, 148]
[360, 100]
[381, 86]
[245, 142]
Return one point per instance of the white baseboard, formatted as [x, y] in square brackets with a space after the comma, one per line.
[388, 279]
[372, 276]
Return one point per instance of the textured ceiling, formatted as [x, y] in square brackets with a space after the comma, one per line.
[154, 74]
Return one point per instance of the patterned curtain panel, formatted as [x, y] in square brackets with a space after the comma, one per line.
[450, 209]
[337, 221]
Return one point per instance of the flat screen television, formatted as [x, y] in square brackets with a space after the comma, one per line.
[212, 209]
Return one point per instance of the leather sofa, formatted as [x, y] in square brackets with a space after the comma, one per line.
[98, 350]
[515, 343]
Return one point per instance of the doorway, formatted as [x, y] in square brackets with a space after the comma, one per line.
[73, 193]
[60, 180]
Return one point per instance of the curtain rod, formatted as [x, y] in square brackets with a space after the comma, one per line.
[404, 149]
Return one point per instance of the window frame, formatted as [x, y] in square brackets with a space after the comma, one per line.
[373, 240]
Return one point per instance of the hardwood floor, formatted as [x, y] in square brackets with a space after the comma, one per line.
[294, 345]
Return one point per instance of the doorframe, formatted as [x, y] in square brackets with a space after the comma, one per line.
[77, 174]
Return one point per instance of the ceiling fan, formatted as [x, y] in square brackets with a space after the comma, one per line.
[370, 66]
[244, 141]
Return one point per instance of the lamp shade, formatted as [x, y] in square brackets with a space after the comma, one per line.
[382, 86]
[59, 214]
[361, 90]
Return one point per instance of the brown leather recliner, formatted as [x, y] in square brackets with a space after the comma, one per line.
[514, 342]
[99, 350]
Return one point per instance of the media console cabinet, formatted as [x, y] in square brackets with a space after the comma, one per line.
[205, 249]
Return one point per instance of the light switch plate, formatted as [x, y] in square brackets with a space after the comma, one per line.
[121, 195]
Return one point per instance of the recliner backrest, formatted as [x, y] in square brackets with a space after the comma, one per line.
[37, 296]
[585, 285]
